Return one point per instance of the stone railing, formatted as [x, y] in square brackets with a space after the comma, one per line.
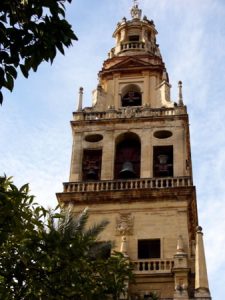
[132, 46]
[128, 112]
[153, 266]
[118, 185]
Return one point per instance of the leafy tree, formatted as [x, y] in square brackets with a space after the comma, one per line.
[46, 255]
[30, 31]
[151, 296]
[117, 272]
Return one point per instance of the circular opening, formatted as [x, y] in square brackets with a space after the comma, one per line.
[93, 138]
[163, 134]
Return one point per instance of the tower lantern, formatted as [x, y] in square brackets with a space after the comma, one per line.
[131, 164]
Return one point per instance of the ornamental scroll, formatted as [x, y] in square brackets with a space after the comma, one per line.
[125, 224]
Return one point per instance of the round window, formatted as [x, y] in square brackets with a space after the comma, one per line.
[162, 134]
[93, 138]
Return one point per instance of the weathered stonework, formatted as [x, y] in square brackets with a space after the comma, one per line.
[125, 224]
[131, 165]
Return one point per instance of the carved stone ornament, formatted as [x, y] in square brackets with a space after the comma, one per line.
[130, 112]
[125, 224]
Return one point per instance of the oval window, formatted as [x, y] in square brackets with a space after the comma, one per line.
[93, 138]
[162, 134]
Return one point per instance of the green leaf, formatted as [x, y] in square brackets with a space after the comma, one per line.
[12, 71]
[24, 71]
[31, 32]
[3, 17]
[4, 55]
[1, 98]
[60, 47]
[24, 188]
[9, 82]
[2, 77]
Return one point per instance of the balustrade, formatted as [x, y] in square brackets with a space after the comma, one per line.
[153, 266]
[132, 45]
[128, 112]
[113, 185]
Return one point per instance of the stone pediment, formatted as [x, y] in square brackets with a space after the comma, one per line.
[129, 63]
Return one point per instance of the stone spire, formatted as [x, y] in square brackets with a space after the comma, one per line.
[135, 11]
[201, 277]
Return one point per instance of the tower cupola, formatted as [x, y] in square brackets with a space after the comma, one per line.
[135, 36]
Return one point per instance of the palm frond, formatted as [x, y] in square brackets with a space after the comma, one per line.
[71, 224]
[100, 250]
[96, 229]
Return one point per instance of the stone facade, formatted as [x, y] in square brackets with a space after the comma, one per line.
[131, 165]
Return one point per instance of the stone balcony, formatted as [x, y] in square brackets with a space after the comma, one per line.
[88, 114]
[131, 184]
[153, 266]
[146, 189]
[135, 45]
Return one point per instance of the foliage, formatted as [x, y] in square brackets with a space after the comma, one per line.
[151, 296]
[30, 31]
[46, 255]
[117, 271]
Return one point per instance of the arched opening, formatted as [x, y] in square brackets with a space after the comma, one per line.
[162, 161]
[91, 164]
[127, 158]
[131, 96]
[134, 38]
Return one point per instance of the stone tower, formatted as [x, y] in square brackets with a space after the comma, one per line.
[131, 164]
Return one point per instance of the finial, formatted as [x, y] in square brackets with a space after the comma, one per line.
[180, 245]
[135, 11]
[199, 229]
[80, 103]
[123, 247]
[180, 100]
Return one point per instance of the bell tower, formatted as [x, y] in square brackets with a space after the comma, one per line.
[131, 164]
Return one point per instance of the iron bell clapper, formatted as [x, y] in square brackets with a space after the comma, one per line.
[127, 170]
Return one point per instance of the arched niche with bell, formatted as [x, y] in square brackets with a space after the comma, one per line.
[127, 156]
[131, 96]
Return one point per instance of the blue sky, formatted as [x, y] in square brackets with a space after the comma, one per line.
[35, 134]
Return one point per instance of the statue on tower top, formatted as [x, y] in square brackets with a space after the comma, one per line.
[135, 10]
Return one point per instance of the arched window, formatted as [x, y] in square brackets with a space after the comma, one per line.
[131, 96]
[127, 159]
[162, 161]
[91, 165]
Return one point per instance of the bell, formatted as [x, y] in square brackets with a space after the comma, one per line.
[127, 170]
[163, 159]
[92, 174]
